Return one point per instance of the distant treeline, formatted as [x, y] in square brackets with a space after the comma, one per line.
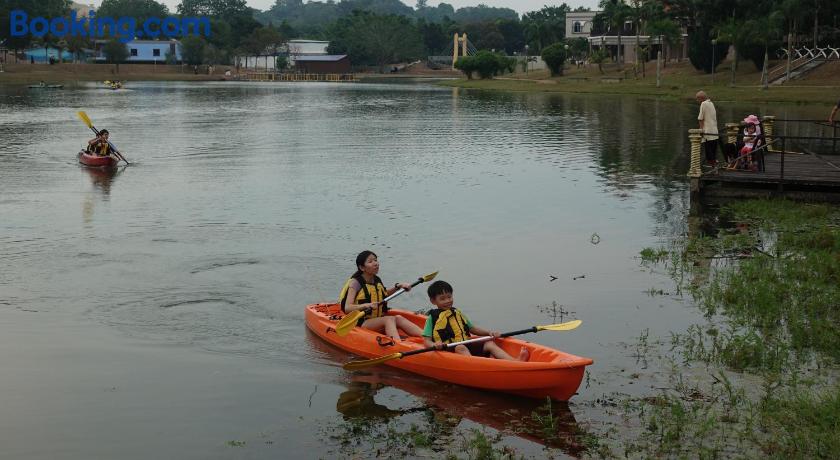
[374, 32]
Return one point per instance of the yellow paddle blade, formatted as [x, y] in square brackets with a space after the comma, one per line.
[346, 324]
[429, 277]
[568, 326]
[355, 365]
[83, 116]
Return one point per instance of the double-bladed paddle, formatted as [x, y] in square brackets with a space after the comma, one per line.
[346, 324]
[84, 117]
[354, 365]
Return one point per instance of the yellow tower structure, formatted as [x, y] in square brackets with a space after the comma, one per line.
[458, 42]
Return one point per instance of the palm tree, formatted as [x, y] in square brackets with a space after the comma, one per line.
[735, 32]
[615, 12]
[763, 30]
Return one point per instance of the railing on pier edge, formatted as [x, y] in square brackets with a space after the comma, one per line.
[772, 142]
[288, 76]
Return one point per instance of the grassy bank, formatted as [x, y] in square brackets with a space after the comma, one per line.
[30, 74]
[759, 379]
[679, 82]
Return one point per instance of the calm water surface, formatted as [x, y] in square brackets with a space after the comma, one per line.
[158, 312]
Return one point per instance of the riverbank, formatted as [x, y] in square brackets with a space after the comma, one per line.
[30, 74]
[758, 378]
[679, 82]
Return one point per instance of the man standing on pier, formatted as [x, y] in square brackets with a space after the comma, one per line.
[833, 113]
[708, 125]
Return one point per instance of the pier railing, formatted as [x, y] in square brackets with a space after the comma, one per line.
[289, 76]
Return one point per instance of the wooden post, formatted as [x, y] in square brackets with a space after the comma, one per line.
[769, 123]
[732, 132]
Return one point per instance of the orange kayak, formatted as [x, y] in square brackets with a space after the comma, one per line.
[548, 373]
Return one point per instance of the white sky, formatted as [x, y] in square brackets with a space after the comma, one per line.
[521, 6]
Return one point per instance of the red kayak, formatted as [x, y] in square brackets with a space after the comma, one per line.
[96, 161]
[548, 372]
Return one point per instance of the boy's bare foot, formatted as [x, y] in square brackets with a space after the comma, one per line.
[524, 354]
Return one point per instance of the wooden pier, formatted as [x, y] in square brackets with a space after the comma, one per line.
[288, 76]
[803, 174]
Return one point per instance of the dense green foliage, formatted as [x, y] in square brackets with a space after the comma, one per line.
[554, 57]
[486, 64]
[373, 39]
[115, 51]
[755, 28]
[703, 55]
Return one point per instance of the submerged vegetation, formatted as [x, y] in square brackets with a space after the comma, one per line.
[768, 284]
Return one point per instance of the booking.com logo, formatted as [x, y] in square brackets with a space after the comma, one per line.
[124, 27]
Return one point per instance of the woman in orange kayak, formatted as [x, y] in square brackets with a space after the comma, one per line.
[364, 290]
[99, 144]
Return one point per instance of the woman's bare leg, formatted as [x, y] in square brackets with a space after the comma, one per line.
[410, 328]
[383, 324]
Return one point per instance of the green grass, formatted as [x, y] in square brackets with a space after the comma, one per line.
[770, 347]
[679, 82]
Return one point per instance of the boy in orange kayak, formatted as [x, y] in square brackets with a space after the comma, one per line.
[99, 144]
[446, 324]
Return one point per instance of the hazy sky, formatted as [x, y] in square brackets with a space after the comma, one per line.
[521, 6]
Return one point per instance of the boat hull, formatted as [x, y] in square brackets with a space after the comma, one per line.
[548, 373]
[96, 161]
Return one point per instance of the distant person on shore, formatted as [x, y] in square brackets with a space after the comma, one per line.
[708, 125]
[833, 113]
[99, 144]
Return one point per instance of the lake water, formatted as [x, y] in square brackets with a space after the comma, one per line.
[158, 312]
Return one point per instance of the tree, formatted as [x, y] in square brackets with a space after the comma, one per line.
[701, 51]
[140, 10]
[218, 8]
[375, 39]
[667, 30]
[614, 15]
[75, 44]
[42, 8]
[554, 57]
[115, 51]
[545, 26]
[192, 49]
[466, 64]
[734, 32]
[485, 35]
[487, 64]
[599, 57]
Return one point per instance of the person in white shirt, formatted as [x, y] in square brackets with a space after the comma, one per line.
[708, 124]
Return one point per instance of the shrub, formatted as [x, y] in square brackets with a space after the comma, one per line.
[700, 50]
[554, 57]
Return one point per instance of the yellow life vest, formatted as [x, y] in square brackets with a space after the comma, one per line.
[449, 326]
[102, 149]
[369, 293]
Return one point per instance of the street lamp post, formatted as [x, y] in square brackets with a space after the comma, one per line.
[714, 45]
[526, 58]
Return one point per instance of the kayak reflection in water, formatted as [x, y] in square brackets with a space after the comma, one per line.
[358, 401]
